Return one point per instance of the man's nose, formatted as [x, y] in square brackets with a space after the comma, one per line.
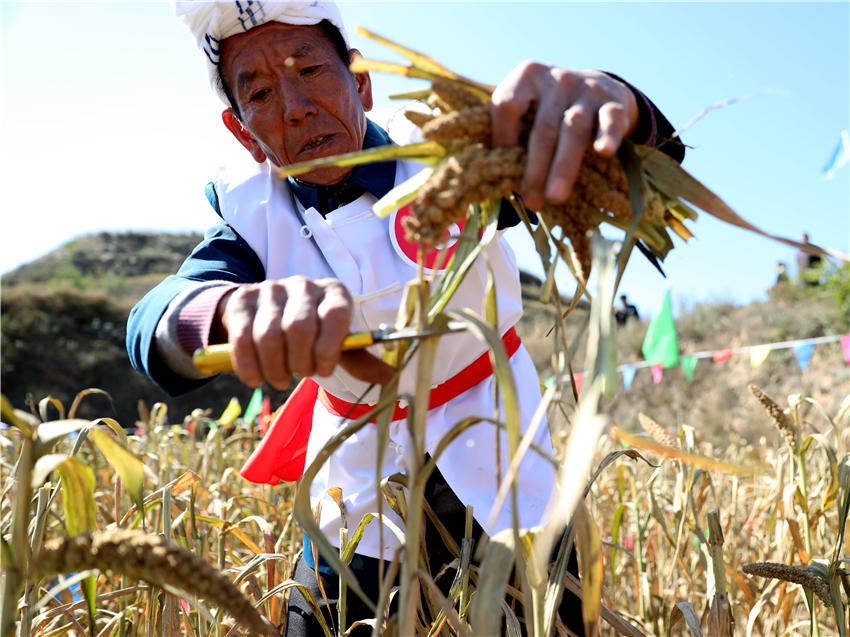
[298, 106]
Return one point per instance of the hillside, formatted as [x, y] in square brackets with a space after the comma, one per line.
[63, 326]
[716, 401]
[64, 315]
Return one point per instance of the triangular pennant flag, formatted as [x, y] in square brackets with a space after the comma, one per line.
[688, 363]
[265, 416]
[845, 345]
[657, 372]
[803, 352]
[660, 344]
[758, 354]
[579, 378]
[721, 355]
[254, 406]
[839, 157]
[628, 376]
[231, 412]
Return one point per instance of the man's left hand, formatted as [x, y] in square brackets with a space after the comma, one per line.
[572, 108]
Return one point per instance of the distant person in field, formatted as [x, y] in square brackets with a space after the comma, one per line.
[782, 277]
[293, 265]
[626, 311]
[808, 265]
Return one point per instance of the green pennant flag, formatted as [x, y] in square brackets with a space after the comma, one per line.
[660, 344]
[254, 406]
[688, 363]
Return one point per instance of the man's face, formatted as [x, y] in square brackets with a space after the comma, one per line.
[297, 99]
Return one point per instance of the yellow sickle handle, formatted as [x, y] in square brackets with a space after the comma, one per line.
[215, 359]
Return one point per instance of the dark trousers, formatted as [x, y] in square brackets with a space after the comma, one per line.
[301, 621]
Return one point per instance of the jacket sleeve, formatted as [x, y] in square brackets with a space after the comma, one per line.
[222, 256]
[653, 129]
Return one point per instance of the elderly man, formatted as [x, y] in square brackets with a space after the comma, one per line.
[296, 264]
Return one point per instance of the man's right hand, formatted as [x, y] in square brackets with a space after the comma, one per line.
[292, 326]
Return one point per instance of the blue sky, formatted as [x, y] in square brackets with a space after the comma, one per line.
[108, 123]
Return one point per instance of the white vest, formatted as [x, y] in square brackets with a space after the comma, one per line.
[358, 248]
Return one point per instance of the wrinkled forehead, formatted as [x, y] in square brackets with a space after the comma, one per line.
[271, 44]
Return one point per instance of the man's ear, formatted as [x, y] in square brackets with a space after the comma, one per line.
[242, 135]
[363, 82]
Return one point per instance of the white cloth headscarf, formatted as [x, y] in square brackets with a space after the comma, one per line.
[212, 22]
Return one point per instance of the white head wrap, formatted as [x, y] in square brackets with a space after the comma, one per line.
[212, 22]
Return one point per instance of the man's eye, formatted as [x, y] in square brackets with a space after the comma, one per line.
[259, 96]
[310, 70]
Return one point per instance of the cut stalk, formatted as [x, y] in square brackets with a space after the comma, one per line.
[416, 488]
[16, 573]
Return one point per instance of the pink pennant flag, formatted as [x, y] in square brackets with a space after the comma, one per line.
[657, 372]
[579, 377]
[722, 355]
[845, 344]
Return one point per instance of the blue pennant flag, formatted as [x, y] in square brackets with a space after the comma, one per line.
[628, 376]
[839, 157]
[803, 352]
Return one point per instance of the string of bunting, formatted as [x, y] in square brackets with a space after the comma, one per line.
[259, 408]
[803, 349]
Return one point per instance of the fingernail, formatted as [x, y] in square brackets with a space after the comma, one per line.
[557, 190]
[603, 146]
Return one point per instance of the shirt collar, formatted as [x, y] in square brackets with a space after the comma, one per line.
[376, 178]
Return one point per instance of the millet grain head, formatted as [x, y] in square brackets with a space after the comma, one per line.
[471, 124]
[793, 574]
[656, 431]
[780, 418]
[453, 97]
[152, 559]
[476, 173]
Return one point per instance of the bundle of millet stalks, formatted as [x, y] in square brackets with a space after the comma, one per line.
[645, 198]
[475, 172]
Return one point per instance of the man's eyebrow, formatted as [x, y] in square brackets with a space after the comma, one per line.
[245, 78]
[302, 50]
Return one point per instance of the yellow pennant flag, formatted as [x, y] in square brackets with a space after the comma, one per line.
[231, 412]
[758, 354]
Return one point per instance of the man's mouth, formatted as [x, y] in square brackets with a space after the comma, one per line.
[315, 143]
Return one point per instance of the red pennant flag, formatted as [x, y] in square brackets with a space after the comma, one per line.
[265, 416]
[579, 378]
[845, 344]
[657, 372]
[722, 355]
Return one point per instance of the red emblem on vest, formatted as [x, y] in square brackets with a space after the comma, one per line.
[408, 249]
